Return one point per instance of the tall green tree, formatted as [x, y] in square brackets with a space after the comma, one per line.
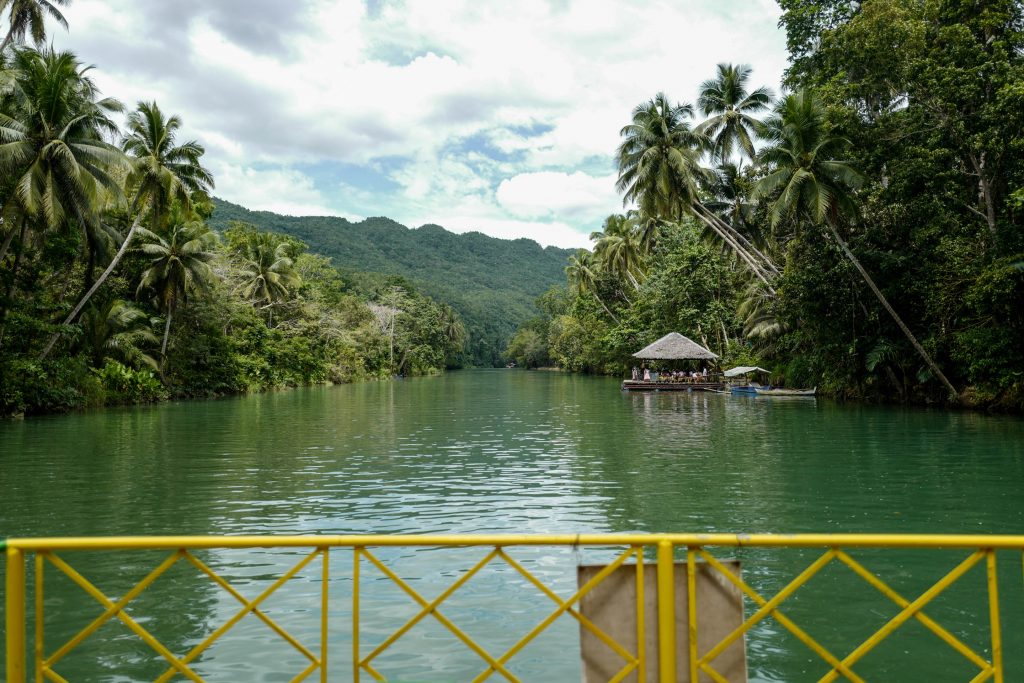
[266, 273]
[582, 273]
[28, 17]
[161, 173]
[729, 105]
[179, 265]
[660, 169]
[812, 183]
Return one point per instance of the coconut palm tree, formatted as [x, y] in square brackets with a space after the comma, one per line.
[52, 149]
[582, 273]
[266, 271]
[617, 247]
[179, 266]
[812, 183]
[660, 170]
[28, 17]
[728, 103]
[52, 140]
[161, 173]
[120, 330]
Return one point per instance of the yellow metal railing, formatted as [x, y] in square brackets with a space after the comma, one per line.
[836, 549]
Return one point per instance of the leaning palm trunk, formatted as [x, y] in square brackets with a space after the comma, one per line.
[92, 290]
[768, 264]
[167, 334]
[885, 303]
[747, 258]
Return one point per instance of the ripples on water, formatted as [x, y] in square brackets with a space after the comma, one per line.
[499, 451]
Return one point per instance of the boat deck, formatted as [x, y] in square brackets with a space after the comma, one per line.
[641, 385]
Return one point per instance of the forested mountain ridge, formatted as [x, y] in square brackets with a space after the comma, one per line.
[491, 282]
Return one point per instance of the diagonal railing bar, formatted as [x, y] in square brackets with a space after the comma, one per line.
[411, 592]
[103, 618]
[128, 621]
[801, 635]
[304, 674]
[54, 676]
[430, 607]
[906, 613]
[583, 590]
[587, 623]
[248, 606]
[902, 602]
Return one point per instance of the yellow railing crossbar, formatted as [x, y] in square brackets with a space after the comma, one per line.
[429, 607]
[801, 635]
[247, 607]
[906, 614]
[98, 622]
[128, 621]
[587, 623]
[411, 592]
[586, 588]
[902, 602]
[198, 649]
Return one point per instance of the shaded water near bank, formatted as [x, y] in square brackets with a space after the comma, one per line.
[509, 451]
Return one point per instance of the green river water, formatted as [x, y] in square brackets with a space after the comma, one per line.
[508, 451]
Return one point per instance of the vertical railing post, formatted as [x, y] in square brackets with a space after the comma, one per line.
[15, 608]
[666, 613]
[355, 614]
[691, 608]
[993, 610]
[641, 618]
[325, 578]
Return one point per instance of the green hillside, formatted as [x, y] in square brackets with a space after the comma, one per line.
[491, 282]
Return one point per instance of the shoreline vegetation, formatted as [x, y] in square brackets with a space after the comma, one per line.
[115, 291]
[862, 231]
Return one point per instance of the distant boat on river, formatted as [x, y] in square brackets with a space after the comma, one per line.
[775, 391]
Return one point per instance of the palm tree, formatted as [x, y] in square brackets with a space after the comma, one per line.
[51, 140]
[179, 266]
[266, 275]
[27, 17]
[582, 273]
[161, 173]
[659, 169]
[617, 247]
[52, 148]
[659, 158]
[731, 125]
[451, 327]
[811, 182]
[117, 329]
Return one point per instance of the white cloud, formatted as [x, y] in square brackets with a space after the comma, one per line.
[485, 111]
[558, 194]
[284, 191]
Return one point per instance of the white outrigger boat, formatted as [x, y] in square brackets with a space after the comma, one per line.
[775, 391]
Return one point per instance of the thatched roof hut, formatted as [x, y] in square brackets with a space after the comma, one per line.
[674, 346]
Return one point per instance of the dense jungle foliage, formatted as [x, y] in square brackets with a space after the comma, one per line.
[860, 231]
[491, 283]
[114, 288]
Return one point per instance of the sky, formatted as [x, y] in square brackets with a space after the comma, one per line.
[500, 117]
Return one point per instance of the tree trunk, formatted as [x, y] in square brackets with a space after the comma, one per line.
[7, 40]
[9, 291]
[92, 290]
[740, 251]
[885, 304]
[7, 244]
[167, 334]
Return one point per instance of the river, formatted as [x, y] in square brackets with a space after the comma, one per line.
[508, 451]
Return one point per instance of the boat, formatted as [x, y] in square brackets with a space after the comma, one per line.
[740, 382]
[775, 391]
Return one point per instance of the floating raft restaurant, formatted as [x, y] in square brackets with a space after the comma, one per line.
[675, 347]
